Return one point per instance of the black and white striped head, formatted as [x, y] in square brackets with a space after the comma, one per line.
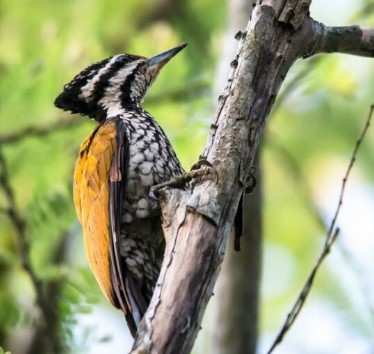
[108, 88]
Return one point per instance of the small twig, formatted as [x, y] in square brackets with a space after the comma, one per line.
[331, 236]
[351, 163]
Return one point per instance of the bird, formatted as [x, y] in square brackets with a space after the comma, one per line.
[118, 163]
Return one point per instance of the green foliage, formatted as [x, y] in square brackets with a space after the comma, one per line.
[48, 217]
[45, 43]
[4, 352]
[9, 312]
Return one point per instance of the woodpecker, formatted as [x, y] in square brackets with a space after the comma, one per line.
[118, 163]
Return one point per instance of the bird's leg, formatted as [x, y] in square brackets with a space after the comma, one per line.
[199, 169]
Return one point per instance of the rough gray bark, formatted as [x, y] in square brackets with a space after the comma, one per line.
[237, 288]
[197, 224]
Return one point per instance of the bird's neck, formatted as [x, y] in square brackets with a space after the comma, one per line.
[116, 110]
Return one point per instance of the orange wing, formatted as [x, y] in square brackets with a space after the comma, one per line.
[100, 180]
[91, 199]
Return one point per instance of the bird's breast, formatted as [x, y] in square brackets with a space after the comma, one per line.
[152, 160]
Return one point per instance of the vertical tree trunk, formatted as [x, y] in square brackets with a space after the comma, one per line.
[197, 223]
[237, 287]
[236, 301]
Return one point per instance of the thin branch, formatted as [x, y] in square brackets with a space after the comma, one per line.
[350, 166]
[348, 39]
[331, 236]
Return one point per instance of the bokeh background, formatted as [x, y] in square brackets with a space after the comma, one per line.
[306, 150]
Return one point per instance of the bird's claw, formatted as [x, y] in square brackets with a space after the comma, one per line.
[200, 169]
[203, 168]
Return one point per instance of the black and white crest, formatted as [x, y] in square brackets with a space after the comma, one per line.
[109, 88]
[102, 86]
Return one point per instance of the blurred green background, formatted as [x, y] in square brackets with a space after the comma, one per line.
[306, 150]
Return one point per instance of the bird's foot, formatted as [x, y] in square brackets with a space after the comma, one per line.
[202, 168]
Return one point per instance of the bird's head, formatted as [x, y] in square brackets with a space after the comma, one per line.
[107, 88]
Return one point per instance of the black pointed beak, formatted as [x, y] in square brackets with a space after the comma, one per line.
[165, 56]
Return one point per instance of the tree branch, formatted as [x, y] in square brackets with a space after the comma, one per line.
[191, 261]
[236, 299]
[349, 40]
[197, 223]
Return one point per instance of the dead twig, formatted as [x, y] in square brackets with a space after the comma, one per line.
[331, 236]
